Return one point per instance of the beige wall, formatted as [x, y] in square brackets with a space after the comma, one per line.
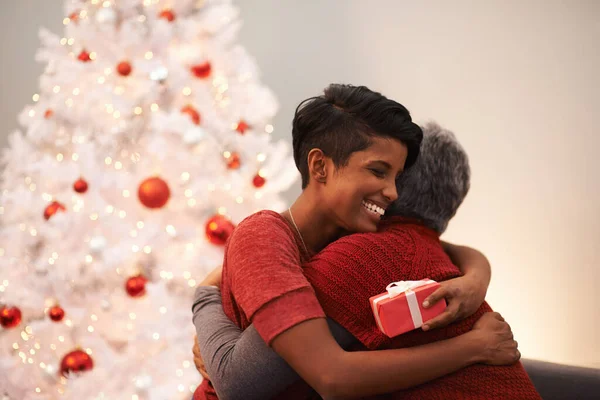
[516, 80]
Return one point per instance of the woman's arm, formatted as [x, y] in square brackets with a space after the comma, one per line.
[465, 294]
[334, 373]
[240, 364]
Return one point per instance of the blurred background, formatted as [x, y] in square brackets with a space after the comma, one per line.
[518, 83]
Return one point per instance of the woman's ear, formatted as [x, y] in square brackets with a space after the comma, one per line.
[317, 165]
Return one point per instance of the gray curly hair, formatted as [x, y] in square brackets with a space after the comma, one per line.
[435, 186]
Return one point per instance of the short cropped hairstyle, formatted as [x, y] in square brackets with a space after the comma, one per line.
[433, 189]
[344, 119]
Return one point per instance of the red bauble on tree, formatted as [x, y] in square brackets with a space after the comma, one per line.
[218, 229]
[48, 114]
[10, 316]
[56, 313]
[84, 56]
[136, 286]
[74, 16]
[80, 186]
[167, 14]
[124, 68]
[76, 361]
[201, 71]
[193, 113]
[52, 209]
[242, 127]
[154, 192]
[233, 161]
[258, 181]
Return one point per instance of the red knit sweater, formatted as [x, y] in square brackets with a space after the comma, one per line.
[356, 267]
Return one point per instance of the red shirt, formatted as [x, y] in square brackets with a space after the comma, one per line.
[262, 281]
[354, 268]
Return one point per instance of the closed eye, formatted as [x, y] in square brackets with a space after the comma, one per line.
[377, 172]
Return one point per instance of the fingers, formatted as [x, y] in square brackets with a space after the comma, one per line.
[435, 297]
[445, 318]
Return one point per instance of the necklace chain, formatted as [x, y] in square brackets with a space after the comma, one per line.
[298, 230]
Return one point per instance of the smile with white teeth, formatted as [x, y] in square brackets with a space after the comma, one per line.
[373, 208]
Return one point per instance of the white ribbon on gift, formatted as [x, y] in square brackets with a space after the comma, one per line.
[395, 289]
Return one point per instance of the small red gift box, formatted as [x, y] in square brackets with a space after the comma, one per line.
[400, 310]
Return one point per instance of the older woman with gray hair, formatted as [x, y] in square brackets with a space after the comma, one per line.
[356, 267]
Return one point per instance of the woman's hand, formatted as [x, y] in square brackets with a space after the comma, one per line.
[198, 362]
[499, 346]
[213, 278]
[464, 296]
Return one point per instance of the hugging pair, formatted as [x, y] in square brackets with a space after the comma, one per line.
[265, 333]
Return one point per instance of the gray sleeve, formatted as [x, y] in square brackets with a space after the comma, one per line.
[239, 363]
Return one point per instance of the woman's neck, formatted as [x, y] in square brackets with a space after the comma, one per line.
[315, 226]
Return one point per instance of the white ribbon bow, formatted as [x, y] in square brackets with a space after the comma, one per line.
[397, 288]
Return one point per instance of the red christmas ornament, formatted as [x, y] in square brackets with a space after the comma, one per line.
[52, 209]
[56, 313]
[80, 186]
[167, 14]
[193, 113]
[154, 192]
[48, 114]
[74, 16]
[84, 56]
[201, 71]
[218, 229]
[258, 181]
[124, 68]
[242, 126]
[76, 361]
[136, 286]
[10, 316]
[233, 161]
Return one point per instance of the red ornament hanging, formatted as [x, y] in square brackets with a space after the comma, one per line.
[218, 229]
[154, 192]
[56, 313]
[167, 14]
[201, 71]
[74, 16]
[76, 361]
[10, 316]
[84, 56]
[258, 181]
[233, 161]
[124, 68]
[242, 127]
[80, 186]
[52, 209]
[193, 113]
[48, 114]
[136, 286]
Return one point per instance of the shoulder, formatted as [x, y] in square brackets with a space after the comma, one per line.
[262, 224]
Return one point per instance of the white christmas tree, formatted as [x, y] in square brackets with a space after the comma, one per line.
[148, 141]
